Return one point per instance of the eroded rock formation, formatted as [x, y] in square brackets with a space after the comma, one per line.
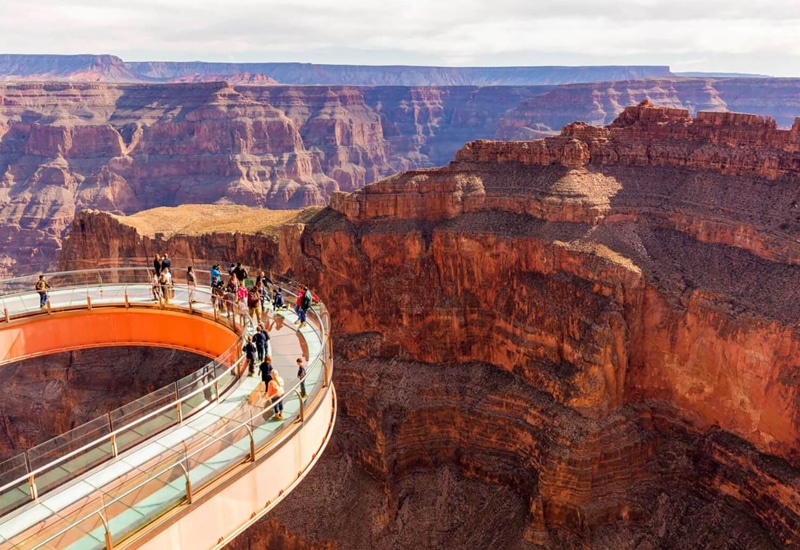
[124, 148]
[127, 147]
[585, 341]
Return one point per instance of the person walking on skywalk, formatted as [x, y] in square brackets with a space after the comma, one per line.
[41, 287]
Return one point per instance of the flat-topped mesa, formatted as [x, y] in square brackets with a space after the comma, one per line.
[647, 135]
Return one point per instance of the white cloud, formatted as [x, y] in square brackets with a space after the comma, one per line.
[754, 35]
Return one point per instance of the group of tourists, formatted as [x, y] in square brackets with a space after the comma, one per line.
[232, 296]
[274, 385]
[163, 280]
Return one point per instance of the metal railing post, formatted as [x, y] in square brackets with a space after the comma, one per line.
[47, 305]
[327, 373]
[109, 541]
[127, 301]
[32, 486]
[114, 450]
[88, 301]
[252, 443]
[216, 391]
[5, 314]
[188, 483]
[302, 406]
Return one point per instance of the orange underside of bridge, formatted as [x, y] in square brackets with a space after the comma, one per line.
[71, 330]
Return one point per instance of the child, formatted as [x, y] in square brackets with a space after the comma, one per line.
[278, 302]
[155, 287]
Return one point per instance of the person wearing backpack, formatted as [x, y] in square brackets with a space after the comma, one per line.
[305, 303]
[254, 305]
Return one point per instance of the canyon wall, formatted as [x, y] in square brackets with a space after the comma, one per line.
[584, 341]
[127, 147]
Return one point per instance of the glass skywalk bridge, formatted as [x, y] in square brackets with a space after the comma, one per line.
[188, 466]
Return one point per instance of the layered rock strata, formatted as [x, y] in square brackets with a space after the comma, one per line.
[584, 341]
[127, 147]
[124, 148]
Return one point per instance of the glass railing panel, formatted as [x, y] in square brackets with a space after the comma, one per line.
[12, 469]
[210, 457]
[130, 511]
[14, 497]
[69, 469]
[132, 435]
[61, 445]
[142, 406]
[196, 402]
[264, 427]
[139, 473]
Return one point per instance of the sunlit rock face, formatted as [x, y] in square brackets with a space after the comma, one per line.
[123, 147]
[43, 397]
[584, 341]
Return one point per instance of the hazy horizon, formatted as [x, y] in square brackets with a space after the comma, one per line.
[753, 37]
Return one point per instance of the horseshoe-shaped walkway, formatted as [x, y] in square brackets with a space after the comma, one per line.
[190, 466]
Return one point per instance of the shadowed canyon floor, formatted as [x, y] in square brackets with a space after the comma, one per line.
[588, 341]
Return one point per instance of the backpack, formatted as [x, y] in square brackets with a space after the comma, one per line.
[253, 298]
[305, 301]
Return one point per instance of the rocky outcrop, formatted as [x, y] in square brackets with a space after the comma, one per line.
[585, 341]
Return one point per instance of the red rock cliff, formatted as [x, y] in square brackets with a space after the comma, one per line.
[586, 341]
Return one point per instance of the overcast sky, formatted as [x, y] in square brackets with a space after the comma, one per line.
[753, 36]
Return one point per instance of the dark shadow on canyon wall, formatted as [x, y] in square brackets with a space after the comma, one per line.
[47, 396]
